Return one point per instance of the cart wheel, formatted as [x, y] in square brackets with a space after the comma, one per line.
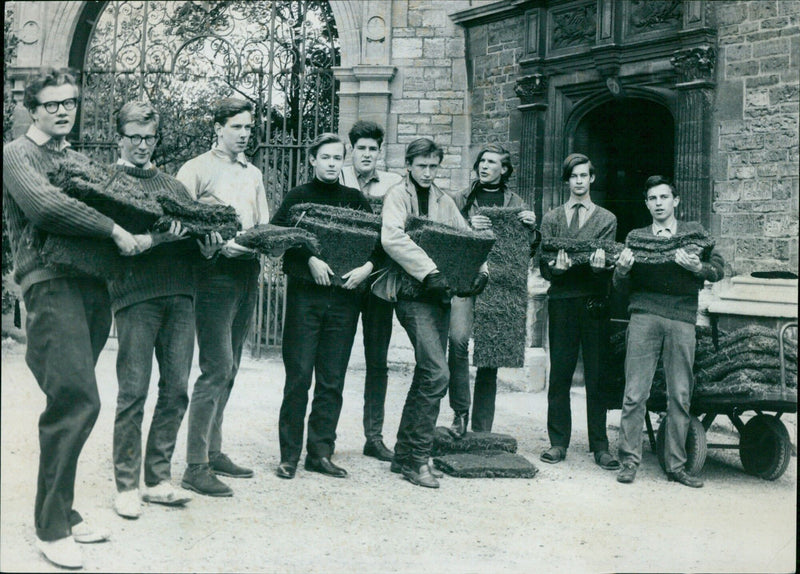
[765, 447]
[696, 449]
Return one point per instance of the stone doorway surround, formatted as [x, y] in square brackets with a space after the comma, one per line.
[578, 54]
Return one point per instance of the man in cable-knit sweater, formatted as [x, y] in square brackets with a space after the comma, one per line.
[153, 304]
[576, 313]
[662, 324]
[69, 316]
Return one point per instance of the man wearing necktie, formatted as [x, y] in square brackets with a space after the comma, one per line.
[576, 322]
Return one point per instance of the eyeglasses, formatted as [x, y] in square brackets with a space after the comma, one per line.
[136, 139]
[52, 107]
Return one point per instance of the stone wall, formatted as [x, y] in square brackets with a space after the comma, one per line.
[495, 49]
[429, 91]
[755, 171]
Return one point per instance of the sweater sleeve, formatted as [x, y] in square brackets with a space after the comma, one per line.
[398, 245]
[262, 207]
[190, 178]
[45, 205]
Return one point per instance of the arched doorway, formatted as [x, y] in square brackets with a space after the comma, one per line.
[628, 140]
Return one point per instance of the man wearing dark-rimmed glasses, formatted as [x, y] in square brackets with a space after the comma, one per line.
[69, 315]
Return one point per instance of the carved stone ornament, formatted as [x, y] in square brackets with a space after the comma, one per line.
[375, 29]
[531, 88]
[694, 63]
[574, 27]
[650, 15]
[29, 32]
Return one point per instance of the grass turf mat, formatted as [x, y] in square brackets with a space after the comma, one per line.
[111, 192]
[489, 464]
[747, 382]
[579, 250]
[199, 219]
[457, 253]
[342, 245]
[274, 240]
[499, 328]
[444, 443]
[87, 255]
[335, 214]
[648, 248]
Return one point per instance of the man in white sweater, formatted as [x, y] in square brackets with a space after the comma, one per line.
[226, 292]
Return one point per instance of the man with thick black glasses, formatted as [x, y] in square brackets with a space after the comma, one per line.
[69, 315]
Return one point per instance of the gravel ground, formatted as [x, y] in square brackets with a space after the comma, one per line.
[572, 517]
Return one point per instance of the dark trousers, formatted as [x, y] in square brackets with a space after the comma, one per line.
[427, 325]
[461, 321]
[226, 299]
[68, 323]
[318, 336]
[573, 328]
[376, 320]
[165, 324]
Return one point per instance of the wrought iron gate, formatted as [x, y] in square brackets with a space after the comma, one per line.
[182, 56]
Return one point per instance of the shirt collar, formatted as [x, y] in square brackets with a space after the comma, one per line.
[365, 180]
[673, 227]
[241, 158]
[43, 140]
[126, 163]
[587, 203]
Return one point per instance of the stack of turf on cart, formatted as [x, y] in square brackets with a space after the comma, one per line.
[501, 310]
[747, 363]
[117, 195]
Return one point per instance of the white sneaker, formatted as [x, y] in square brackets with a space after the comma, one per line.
[63, 552]
[165, 493]
[85, 534]
[127, 504]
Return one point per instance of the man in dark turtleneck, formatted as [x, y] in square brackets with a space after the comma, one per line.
[493, 169]
[320, 325]
[153, 305]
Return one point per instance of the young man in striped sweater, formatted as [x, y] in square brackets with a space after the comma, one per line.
[69, 315]
[153, 305]
[576, 321]
[662, 325]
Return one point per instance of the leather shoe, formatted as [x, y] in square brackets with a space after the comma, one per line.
[605, 461]
[397, 466]
[323, 465]
[459, 427]
[685, 479]
[554, 455]
[434, 471]
[628, 473]
[420, 476]
[286, 470]
[376, 449]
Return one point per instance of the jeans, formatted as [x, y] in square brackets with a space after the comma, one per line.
[226, 299]
[166, 324]
[67, 325]
[376, 320]
[573, 327]
[650, 336]
[461, 320]
[427, 325]
[318, 336]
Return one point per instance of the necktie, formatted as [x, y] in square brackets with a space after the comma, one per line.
[665, 232]
[574, 224]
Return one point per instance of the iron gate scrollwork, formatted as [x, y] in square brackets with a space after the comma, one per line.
[182, 56]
